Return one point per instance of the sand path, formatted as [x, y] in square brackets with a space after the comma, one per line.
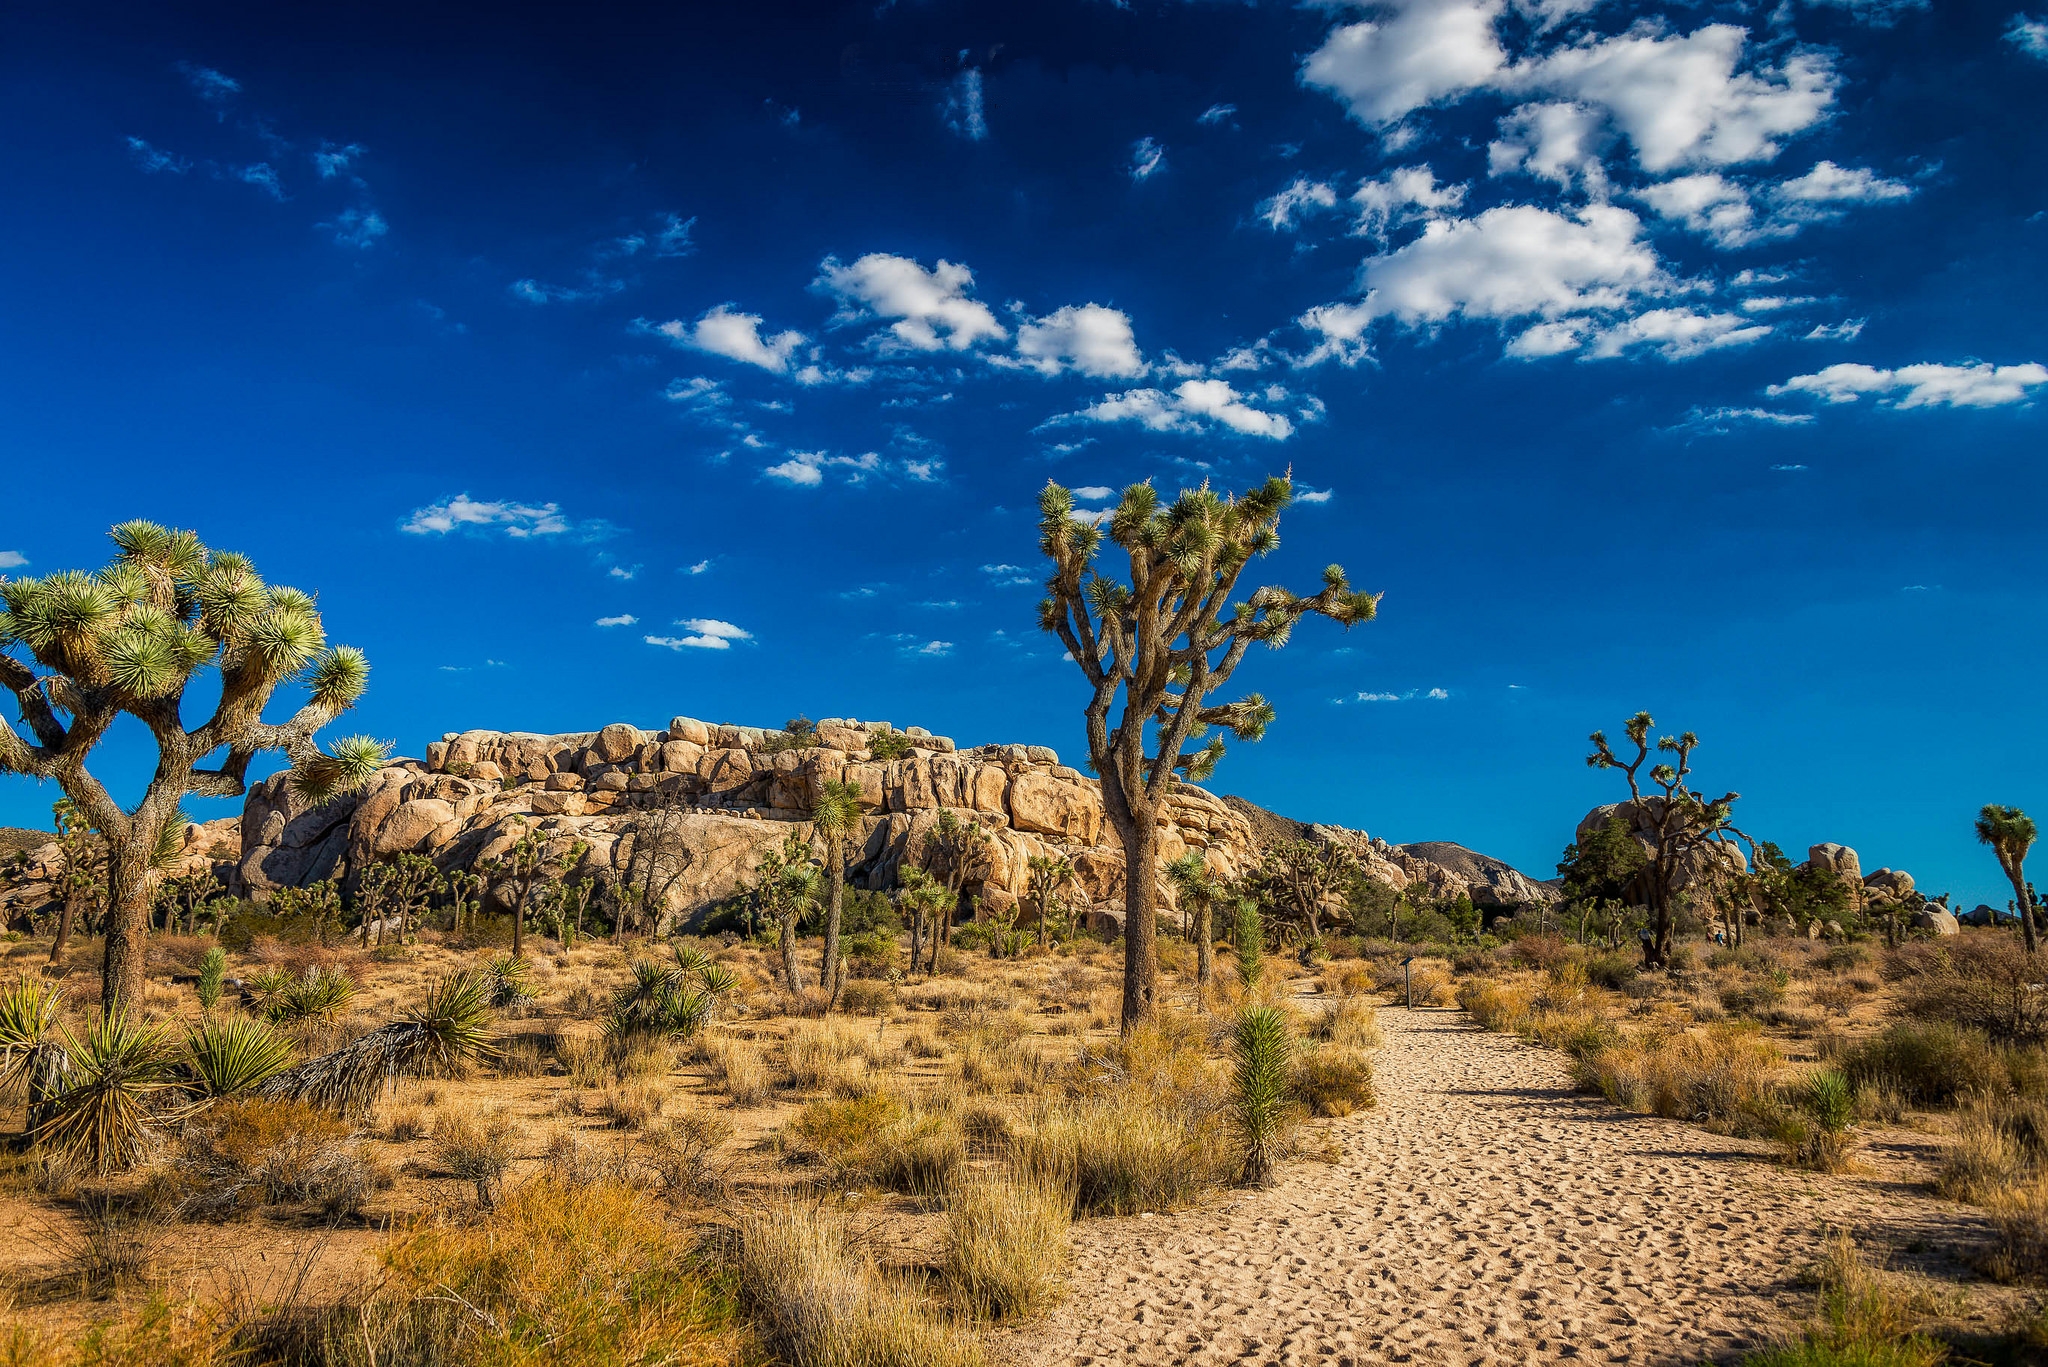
[1483, 1213]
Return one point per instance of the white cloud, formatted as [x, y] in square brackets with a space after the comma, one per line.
[1007, 576]
[1823, 191]
[934, 648]
[209, 85]
[1433, 695]
[330, 161]
[357, 228]
[1297, 201]
[1088, 338]
[700, 393]
[724, 331]
[1087, 493]
[689, 642]
[1512, 261]
[1877, 13]
[1674, 334]
[1401, 196]
[932, 308]
[940, 604]
[673, 237]
[1192, 406]
[1711, 205]
[706, 633]
[2029, 35]
[261, 175]
[1680, 99]
[624, 572]
[1379, 697]
[1557, 141]
[963, 110]
[806, 469]
[1437, 694]
[531, 291]
[624, 619]
[1976, 385]
[517, 519]
[12, 560]
[1307, 495]
[699, 568]
[1848, 330]
[1215, 114]
[1148, 158]
[1774, 303]
[1722, 419]
[1422, 51]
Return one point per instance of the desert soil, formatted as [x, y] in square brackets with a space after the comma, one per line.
[1484, 1212]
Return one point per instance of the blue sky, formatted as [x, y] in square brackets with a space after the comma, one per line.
[707, 359]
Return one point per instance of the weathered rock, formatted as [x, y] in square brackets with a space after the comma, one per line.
[1039, 802]
[1934, 918]
[691, 730]
[617, 742]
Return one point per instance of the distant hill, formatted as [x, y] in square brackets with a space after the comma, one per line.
[1467, 864]
[14, 838]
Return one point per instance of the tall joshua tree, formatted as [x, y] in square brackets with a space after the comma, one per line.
[1678, 824]
[1165, 641]
[2010, 834]
[131, 638]
[836, 817]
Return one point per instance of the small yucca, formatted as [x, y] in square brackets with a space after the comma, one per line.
[230, 1054]
[450, 1025]
[1251, 944]
[212, 969]
[1260, 1098]
[103, 1116]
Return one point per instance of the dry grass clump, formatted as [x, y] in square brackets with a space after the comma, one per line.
[116, 1241]
[737, 1068]
[819, 1301]
[1868, 1318]
[1929, 1063]
[1005, 1246]
[1349, 1021]
[241, 1154]
[2000, 1145]
[1814, 1126]
[1119, 1155]
[867, 997]
[475, 1148]
[684, 1154]
[1332, 1079]
[883, 1141]
[633, 1106]
[1714, 1074]
[831, 1055]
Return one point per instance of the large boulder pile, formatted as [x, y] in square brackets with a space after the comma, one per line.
[29, 883]
[727, 794]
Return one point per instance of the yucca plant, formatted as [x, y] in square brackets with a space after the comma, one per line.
[1251, 944]
[656, 1003]
[717, 979]
[265, 984]
[1260, 1101]
[32, 1060]
[690, 959]
[320, 995]
[230, 1054]
[511, 980]
[105, 1115]
[212, 969]
[450, 1026]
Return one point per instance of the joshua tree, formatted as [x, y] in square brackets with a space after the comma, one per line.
[402, 886]
[84, 876]
[523, 866]
[925, 899]
[785, 883]
[1296, 876]
[192, 890]
[1682, 824]
[1049, 873]
[836, 816]
[1200, 893]
[661, 852]
[130, 638]
[1166, 641]
[957, 847]
[2010, 834]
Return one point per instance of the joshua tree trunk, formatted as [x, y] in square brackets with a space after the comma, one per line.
[792, 973]
[835, 898]
[63, 928]
[127, 918]
[2023, 902]
[1140, 838]
[1205, 951]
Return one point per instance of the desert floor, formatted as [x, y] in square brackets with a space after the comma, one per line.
[1483, 1212]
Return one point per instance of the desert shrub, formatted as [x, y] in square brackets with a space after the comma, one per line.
[878, 1140]
[317, 995]
[739, 1070]
[229, 1054]
[1497, 1005]
[116, 1240]
[1982, 982]
[867, 997]
[522, 1056]
[1814, 1128]
[1347, 977]
[1542, 951]
[1005, 1246]
[588, 1061]
[1755, 994]
[212, 969]
[632, 1107]
[1717, 1074]
[554, 1276]
[831, 1056]
[1118, 1156]
[819, 1302]
[684, 1154]
[1348, 1021]
[571, 1161]
[2000, 1143]
[1930, 1063]
[1613, 970]
[510, 981]
[251, 1151]
[477, 1149]
[1163, 1063]
[1332, 1079]
[104, 1117]
[1262, 1051]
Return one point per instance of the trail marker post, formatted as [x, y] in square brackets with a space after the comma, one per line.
[1408, 980]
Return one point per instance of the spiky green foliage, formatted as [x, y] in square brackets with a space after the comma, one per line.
[78, 650]
[1261, 1048]
[511, 980]
[230, 1054]
[887, 745]
[29, 1009]
[718, 980]
[1250, 935]
[785, 885]
[104, 1117]
[657, 1003]
[449, 1026]
[1830, 1099]
[212, 969]
[835, 816]
[1165, 637]
[319, 994]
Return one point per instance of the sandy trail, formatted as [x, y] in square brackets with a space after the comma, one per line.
[1483, 1213]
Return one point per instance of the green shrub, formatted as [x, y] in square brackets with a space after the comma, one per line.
[212, 969]
[1930, 1063]
[1332, 1080]
[1262, 1049]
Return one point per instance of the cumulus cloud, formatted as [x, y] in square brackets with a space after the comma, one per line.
[1512, 261]
[12, 560]
[1307, 495]
[1148, 158]
[1285, 210]
[705, 633]
[1088, 338]
[357, 228]
[1674, 334]
[624, 619]
[1711, 205]
[1192, 406]
[806, 469]
[1823, 191]
[514, 519]
[1401, 196]
[1087, 493]
[724, 331]
[1557, 141]
[2029, 35]
[1726, 213]
[1431, 694]
[931, 309]
[1419, 53]
[933, 649]
[1977, 384]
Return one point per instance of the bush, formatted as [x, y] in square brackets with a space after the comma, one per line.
[830, 1055]
[1815, 1129]
[1614, 971]
[2000, 1144]
[475, 1149]
[739, 1070]
[1930, 1063]
[249, 1152]
[1118, 1156]
[1979, 981]
[1332, 1080]
[1005, 1247]
[1867, 1319]
[1711, 1074]
[867, 997]
[1348, 1021]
